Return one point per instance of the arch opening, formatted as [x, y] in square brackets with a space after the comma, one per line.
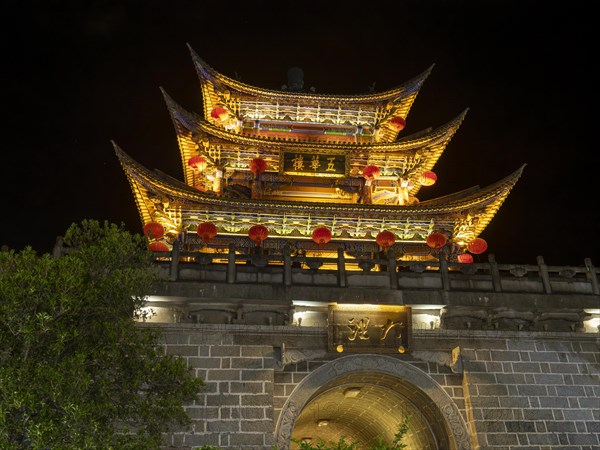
[363, 397]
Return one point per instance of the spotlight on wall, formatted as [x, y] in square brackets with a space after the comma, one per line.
[351, 392]
[322, 422]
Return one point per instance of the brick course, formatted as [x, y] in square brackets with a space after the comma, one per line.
[529, 391]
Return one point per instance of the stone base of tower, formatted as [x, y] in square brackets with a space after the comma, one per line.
[464, 389]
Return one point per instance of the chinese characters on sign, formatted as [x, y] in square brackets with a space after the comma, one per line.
[378, 329]
[322, 164]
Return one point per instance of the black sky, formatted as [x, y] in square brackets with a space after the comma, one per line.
[78, 74]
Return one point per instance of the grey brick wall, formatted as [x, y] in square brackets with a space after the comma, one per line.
[235, 408]
[533, 391]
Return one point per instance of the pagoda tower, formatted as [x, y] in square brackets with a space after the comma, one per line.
[268, 170]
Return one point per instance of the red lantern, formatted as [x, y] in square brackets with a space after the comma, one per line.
[158, 247]
[321, 235]
[197, 163]
[385, 239]
[428, 178]
[258, 233]
[477, 246]
[436, 240]
[154, 230]
[219, 113]
[206, 231]
[465, 258]
[258, 166]
[370, 172]
[397, 123]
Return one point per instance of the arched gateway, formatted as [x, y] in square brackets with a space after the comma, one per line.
[362, 396]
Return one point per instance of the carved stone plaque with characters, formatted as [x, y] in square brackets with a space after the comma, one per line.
[369, 329]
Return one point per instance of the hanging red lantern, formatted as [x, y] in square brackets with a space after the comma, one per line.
[465, 258]
[477, 246]
[258, 233]
[436, 240]
[219, 113]
[428, 178]
[385, 239]
[154, 230]
[321, 235]
[158, 247]
[197, 163]
[258, 166]
[397, 123]
[370, 172]
[206, 231]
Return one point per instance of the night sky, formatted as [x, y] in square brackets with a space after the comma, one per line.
[78, 74]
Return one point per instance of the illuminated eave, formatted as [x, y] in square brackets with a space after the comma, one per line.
[469, 211]
[430, 144]
[251, 102]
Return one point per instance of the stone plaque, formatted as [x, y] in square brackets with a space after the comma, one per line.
[369, 329]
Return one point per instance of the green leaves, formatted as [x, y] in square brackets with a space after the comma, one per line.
[379, 444]
[75, 369]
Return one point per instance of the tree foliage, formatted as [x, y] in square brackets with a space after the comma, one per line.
[342, 444]
[75, 369]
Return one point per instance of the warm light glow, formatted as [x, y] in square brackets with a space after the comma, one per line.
[340, 348]
[477, 246]
[154, 230]
[309, 303]
[592, 325]
[428, 178]
[351, 392]
[383, 308]
[197, 163]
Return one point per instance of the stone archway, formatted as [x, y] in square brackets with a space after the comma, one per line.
[386, 377]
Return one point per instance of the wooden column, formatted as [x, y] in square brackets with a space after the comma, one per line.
[496, 282]
[391, 257]
[341, 263]
[287, 266]
[174, 270]
[231, 270]
[591, 274]
[543, 269]
[444, 272]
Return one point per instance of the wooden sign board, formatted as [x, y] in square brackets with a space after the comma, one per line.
[322, 164]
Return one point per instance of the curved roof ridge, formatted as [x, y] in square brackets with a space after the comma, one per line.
[193, 120]
[476, 191]
[205, 71]
[492, 195]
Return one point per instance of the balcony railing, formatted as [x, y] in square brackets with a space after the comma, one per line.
[376, 272]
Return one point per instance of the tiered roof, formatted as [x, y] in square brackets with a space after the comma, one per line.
[316, 151]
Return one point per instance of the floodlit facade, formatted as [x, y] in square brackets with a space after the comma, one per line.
[318, 297]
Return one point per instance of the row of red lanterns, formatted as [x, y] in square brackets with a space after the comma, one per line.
[427, 178]
[219, 113]
[258, 233]
[258, 166]
[154, 231]
[397, 123]
[477, 246]
[320, 235]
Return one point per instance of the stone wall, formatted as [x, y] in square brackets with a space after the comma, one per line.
[529, 390]
[235, 408]
[534, 391]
